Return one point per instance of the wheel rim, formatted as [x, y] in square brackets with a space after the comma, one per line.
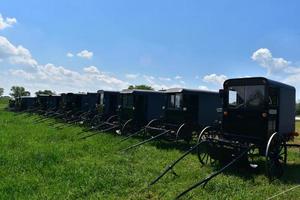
[203, 148]
[276, 156]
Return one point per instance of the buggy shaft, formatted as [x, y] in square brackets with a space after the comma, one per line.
[145, 141]
[207, 179]
[170, 167]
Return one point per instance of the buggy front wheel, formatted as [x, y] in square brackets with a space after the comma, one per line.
[203, 147]
[276, 156]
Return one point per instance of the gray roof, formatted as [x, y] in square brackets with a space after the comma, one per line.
[128, 91]
[181, 90]
[271, 82]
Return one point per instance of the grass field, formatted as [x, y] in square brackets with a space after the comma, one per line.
[38, 161]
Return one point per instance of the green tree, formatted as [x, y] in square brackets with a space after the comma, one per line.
[140, 87]
[18, 91]
[1, 92]
[45, 92]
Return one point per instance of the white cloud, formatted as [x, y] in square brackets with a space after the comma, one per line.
[215, 79]
[164, 79]
[132, 76]
[7, 22]
[264, 58]
[149, 79]
[15, 54]
[70, 55]
[50, 76]
[91, 69]
[22, 74]
[85, 54]
[177, 77]
[203, 87]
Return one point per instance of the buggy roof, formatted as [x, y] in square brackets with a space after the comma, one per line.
[107, 91]
[184, 90]
[128, 91]
[47, 95]
[257, 80]
[27, 97]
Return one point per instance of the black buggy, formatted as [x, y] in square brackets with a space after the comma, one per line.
[258, 121]
[105, 109]
[26, 104]
[139, 107]
[185, 112]
[48, 103]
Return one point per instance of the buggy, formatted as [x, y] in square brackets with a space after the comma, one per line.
[186, 111]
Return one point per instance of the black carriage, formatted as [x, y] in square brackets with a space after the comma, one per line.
[48, 103]
[258, 118]
[106, 117]
[139, 107]
[26, 103]
[186, 111]
[69, 106]
[258, 121]
[106, 108]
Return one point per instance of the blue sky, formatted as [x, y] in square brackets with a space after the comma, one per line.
[193, 44]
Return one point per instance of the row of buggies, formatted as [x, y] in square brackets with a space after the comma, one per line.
[248, 118]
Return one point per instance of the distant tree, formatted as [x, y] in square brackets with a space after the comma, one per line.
[140, 87]
[45, 92]
[1, 92]
[18, 91]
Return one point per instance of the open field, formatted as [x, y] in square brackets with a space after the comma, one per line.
[38, 161]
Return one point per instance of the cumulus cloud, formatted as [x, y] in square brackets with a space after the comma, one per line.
[164, 79]
[85, 54]
[215, 79]
[22, 74]
[15, 54]
[177, 77]
[264, 58]
[58, 78]
[132, 76]
[70, 55]
[91, 69]
[7, 22]
[203, 87]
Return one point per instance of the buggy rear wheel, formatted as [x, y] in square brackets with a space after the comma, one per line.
[276, 157]
[127, 127]
[203, 148]
[184, 132]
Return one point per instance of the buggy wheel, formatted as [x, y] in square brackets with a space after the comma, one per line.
[156, 123]
[127, 127]
[184, 132]
[276, 157]
[203, 148]
[112, 119]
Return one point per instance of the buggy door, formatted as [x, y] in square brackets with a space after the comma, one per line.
[140, 109]
[273, 110]
[191, 113]
[245, 108]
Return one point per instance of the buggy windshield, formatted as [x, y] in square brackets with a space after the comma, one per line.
[251, 96]
[175, 101]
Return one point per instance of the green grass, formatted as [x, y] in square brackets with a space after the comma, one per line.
[38, 161]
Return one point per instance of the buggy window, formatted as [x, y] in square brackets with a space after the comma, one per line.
[175, 101]
[251, 96]
[127, 101]
[101, 99]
